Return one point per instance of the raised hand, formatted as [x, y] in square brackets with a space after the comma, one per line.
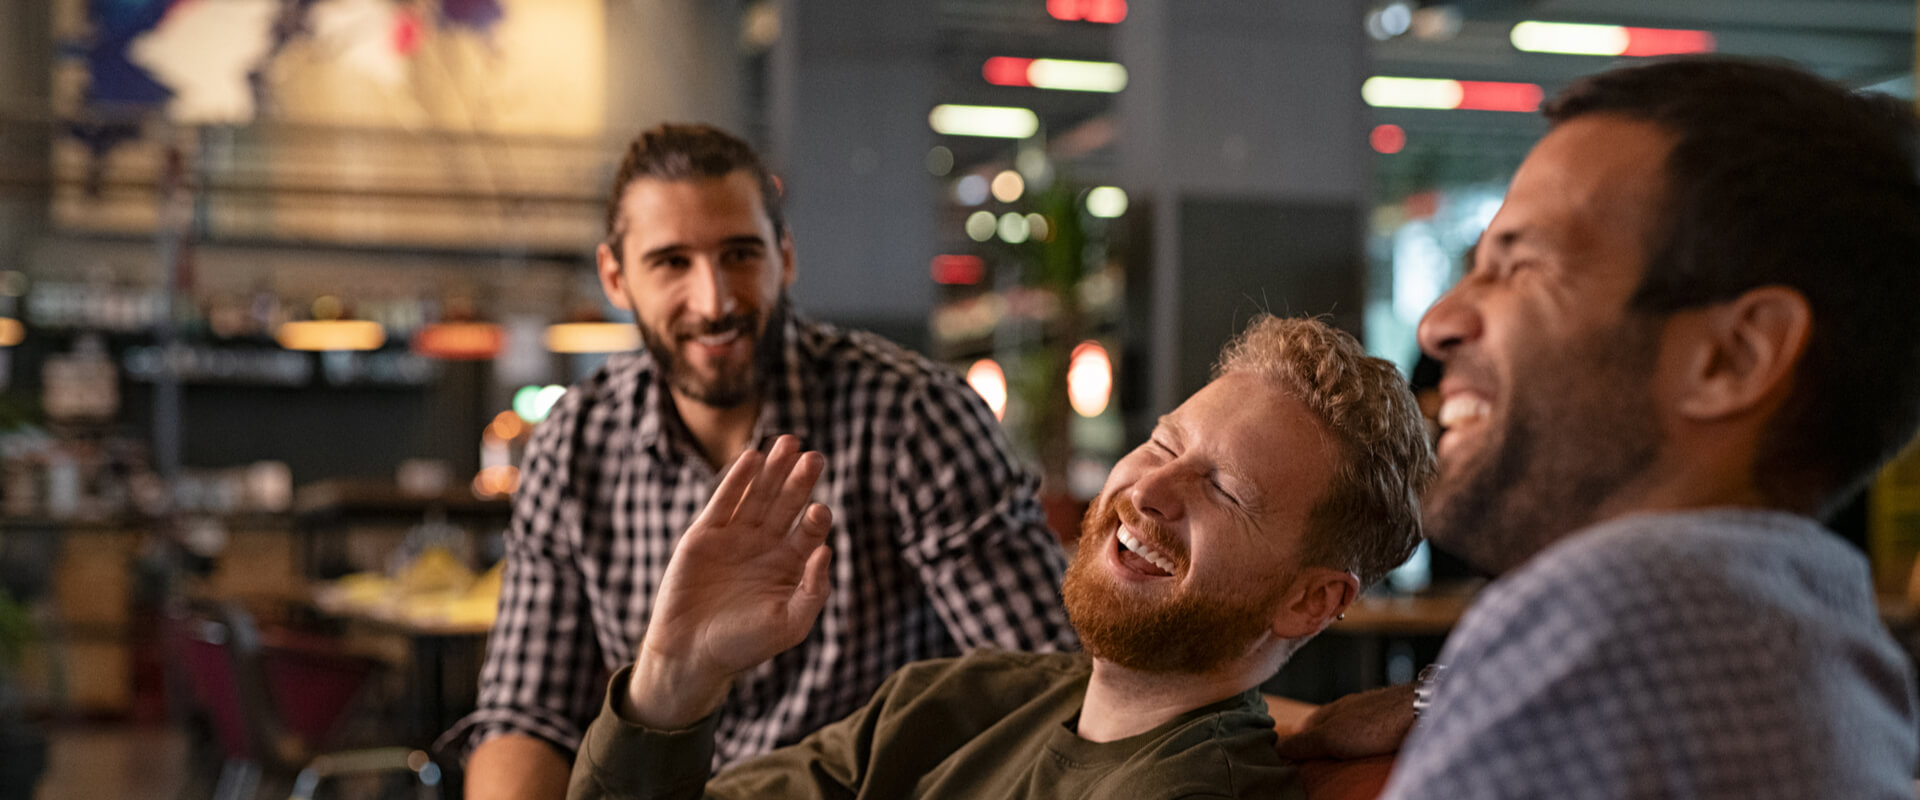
[745, 583]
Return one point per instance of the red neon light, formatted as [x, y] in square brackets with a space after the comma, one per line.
[958, 270]
[1663, 42]
[1103, 11]
[1004, 71]
[1387, 139]
[1497, 96]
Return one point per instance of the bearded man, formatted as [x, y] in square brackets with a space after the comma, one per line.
[1252, 517]
[1683, 340]
[943, 544]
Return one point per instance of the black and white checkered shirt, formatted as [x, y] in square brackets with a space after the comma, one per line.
[939, 544]
[1712, 655]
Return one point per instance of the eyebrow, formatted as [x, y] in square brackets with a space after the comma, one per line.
[677, 247]
[1246, 491]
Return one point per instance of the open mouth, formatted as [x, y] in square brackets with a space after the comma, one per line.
[1459, 416]
[1140, 557]
[721, 339]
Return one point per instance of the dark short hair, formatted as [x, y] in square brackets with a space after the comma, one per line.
[684, 152]
[1781, 178]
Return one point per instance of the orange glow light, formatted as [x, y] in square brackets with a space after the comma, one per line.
[496, 481]
[986, 378]
[507, 426]
[1089, 379]
[468, 341]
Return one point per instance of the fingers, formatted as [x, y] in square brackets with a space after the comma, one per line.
[733, 486]
[794, 494]
[811, 530]
[811, 595]
[770, 480]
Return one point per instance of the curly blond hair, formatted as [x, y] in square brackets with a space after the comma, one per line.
[1369, 520]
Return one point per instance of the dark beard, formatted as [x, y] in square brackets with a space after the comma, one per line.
[726, 391]
[1550, 470]
[1191, 633]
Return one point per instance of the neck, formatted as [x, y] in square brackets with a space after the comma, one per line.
[1706, 478]
[1122, 702]
[721, 432]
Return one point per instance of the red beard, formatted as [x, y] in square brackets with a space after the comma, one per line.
[1183, 628]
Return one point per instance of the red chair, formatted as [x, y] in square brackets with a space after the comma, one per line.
[273, 702]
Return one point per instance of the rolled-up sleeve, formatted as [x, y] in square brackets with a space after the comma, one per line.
[542, 674]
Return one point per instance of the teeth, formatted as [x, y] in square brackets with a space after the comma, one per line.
[1463, 408]
[719, 339]
[1154, 557]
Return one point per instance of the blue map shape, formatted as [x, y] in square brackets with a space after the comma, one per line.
[118, 83]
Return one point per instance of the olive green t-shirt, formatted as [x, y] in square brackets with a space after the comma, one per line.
[986, 725]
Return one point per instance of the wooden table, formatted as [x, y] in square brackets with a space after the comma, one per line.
[1402, 615]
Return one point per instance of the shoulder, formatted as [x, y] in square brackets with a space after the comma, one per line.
[616, 384]
[858, 359]
[1658, 601]
[1647, 641]
[1686, 569]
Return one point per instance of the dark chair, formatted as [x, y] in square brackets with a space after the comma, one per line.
[273, 703]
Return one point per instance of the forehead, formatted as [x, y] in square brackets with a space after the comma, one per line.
[1593, 188]
[651, 208]
[1263, 435]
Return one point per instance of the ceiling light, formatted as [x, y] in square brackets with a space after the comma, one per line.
[470, 341]
[1443, 94]
[592, 337]
[1055, 73]
[331, 334]
[1000, 122]
[1607, 40]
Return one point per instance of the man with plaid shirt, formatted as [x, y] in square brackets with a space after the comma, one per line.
[942, 544]
[1686, 336]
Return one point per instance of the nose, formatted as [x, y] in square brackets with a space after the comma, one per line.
[1161, 491]
[711, 295]
[1452, 321]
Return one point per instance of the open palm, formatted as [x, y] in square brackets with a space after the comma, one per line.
[745, 583]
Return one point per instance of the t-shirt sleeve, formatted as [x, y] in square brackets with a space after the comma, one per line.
[971, 524]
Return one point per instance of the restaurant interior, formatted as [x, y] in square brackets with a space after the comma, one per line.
[285, 286]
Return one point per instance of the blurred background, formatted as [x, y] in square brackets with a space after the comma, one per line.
[284, 285]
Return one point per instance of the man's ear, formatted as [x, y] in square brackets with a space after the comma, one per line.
[1744, 353]
[1319, 595]
[787, 263]
[613, 279]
